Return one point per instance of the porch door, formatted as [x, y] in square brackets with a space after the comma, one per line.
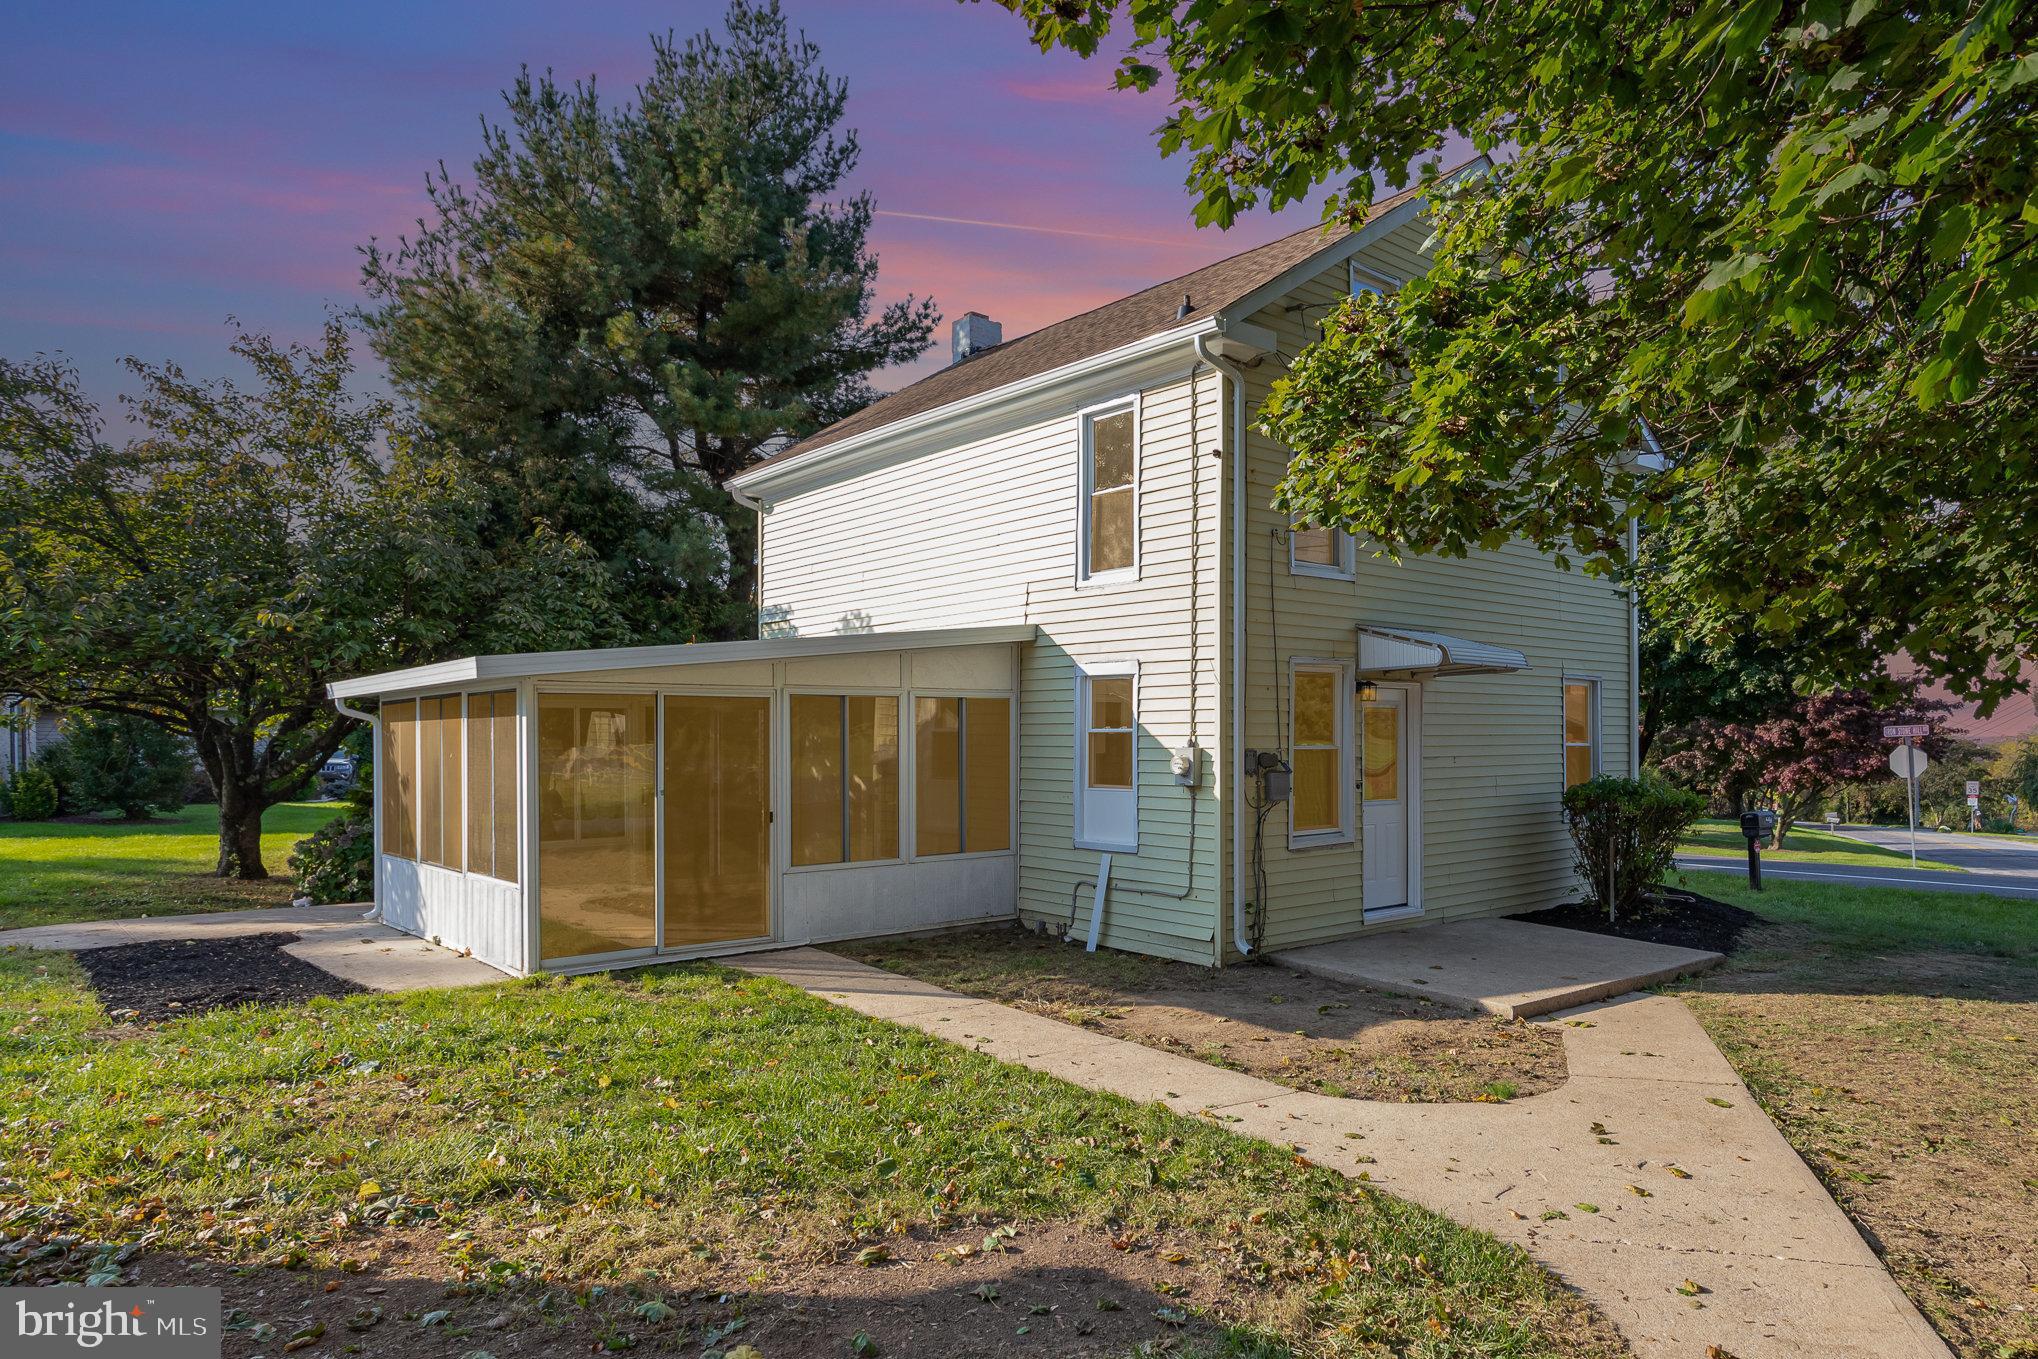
[717, 768]
[1384, 799]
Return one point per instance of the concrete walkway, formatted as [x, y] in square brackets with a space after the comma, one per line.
[1502, 967]
[334, 938]
[1781, 1271]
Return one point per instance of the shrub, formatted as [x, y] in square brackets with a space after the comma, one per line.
[54, 760]
[336, 862]
[127, 763]
[32, 793]
[1625, 834]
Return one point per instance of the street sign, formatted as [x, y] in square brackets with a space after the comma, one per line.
[1974, 787]
[1907, 762]
[1974, 799]
[1904, 731]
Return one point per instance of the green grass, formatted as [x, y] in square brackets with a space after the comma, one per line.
[56, 872]
[1804, 845]
[1851, 920]
[689, 1119]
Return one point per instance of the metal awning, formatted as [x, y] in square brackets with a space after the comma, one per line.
[1388, 650]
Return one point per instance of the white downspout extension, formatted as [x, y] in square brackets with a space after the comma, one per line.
[374, 911]
[1236, 766]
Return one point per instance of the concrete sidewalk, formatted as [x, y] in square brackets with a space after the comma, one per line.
[1501, 967]
[1781, 1271]
[335, 938]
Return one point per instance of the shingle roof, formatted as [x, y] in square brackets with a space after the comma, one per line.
[1147, 312]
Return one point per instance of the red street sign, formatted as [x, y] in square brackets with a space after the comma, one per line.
[1899, 732]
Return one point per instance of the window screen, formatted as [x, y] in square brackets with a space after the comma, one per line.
[492, 785]
[398, 777]
[845, 778]
[1109, 737]
[1581, 731]
[1318, 754]
[962, 772]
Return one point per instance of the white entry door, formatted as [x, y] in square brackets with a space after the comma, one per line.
[1386, 795]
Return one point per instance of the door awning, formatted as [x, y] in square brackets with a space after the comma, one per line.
[1387, 650]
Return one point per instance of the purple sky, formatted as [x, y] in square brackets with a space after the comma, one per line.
[164, 167]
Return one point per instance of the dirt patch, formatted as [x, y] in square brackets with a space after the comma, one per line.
[1057, 1289]
[147, 983]
[1907, 1083]
[1301, 1031]
[1677, 916]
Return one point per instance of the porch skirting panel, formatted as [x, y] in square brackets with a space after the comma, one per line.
[458, 910]
[849, 902]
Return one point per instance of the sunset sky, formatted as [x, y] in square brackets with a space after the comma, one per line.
[165, 167]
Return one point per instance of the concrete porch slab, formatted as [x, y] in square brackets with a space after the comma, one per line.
[1503, 967]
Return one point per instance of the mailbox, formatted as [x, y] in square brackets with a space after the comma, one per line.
[1757, 825]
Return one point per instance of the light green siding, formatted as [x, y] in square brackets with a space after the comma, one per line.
[1493, 838]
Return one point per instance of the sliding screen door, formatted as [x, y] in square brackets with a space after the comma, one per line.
[717, 819]
[597, 843]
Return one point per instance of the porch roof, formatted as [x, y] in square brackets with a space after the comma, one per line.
[1385, 649]
[526, 664]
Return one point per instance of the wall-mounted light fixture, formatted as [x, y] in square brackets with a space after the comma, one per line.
[1368, 691]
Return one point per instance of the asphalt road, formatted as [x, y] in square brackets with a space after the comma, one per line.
[2021, 884]
[1975, 853]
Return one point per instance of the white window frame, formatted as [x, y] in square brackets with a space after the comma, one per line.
[1346, 830]
[1594, 691]
[1086, 420]
[1361, 279]
[1106, 820]
[1342, 569]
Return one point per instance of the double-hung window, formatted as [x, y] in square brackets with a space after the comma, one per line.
[845, 778]
[1320, 552]
[962, 775]
[1319, 807]
[1107, 757]
[1580, 730]
[1109, 543]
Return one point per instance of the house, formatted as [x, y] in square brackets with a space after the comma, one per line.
[27, 728]
[1034, 644]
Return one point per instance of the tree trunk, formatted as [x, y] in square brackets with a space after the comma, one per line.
[240, 834]
[739, 530]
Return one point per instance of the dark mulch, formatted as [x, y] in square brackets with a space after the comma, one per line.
[1684, 918]
[145, 983]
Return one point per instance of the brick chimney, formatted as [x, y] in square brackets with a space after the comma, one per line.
[972, 333]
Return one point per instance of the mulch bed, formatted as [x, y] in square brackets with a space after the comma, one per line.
[1679, 917]
[146, 983]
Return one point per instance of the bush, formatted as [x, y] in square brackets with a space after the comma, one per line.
[127, 763]
[32, 794]
[54, 760]
[1625, 834]
[336, 862]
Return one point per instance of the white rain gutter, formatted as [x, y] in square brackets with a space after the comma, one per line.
[374, 911]
[1236, 769]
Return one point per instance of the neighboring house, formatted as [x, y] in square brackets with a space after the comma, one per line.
[26, 729]
[1031, 625]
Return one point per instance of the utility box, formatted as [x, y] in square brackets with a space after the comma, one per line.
[1186, 764]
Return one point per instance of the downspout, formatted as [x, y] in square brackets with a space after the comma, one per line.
[1240, 935]
[374, 911]
[1634, 655]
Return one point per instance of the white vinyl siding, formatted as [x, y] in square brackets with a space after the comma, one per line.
[988, 531]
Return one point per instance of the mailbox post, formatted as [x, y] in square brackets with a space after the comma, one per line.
[1756, 826]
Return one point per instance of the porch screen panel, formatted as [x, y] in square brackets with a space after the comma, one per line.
[398, 779]
[597, 811]
[440, 779]
[845, 793]
[937, 776]
[491, 736]
[1317, 805]
[987, 770]
[717, 819]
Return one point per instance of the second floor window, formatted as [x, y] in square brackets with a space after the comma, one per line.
[1110, 470]
[1319, 552]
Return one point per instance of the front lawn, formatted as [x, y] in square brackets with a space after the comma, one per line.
[1804, 845]
[687, 1158]
[54, 872]
[1892, 1035]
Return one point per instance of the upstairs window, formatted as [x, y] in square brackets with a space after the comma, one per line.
[1320, 552]
[1581, 731]
[1110, 528]
[845, 784]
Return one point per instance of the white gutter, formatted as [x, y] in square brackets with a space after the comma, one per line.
[374, 911]
[1236, 769]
